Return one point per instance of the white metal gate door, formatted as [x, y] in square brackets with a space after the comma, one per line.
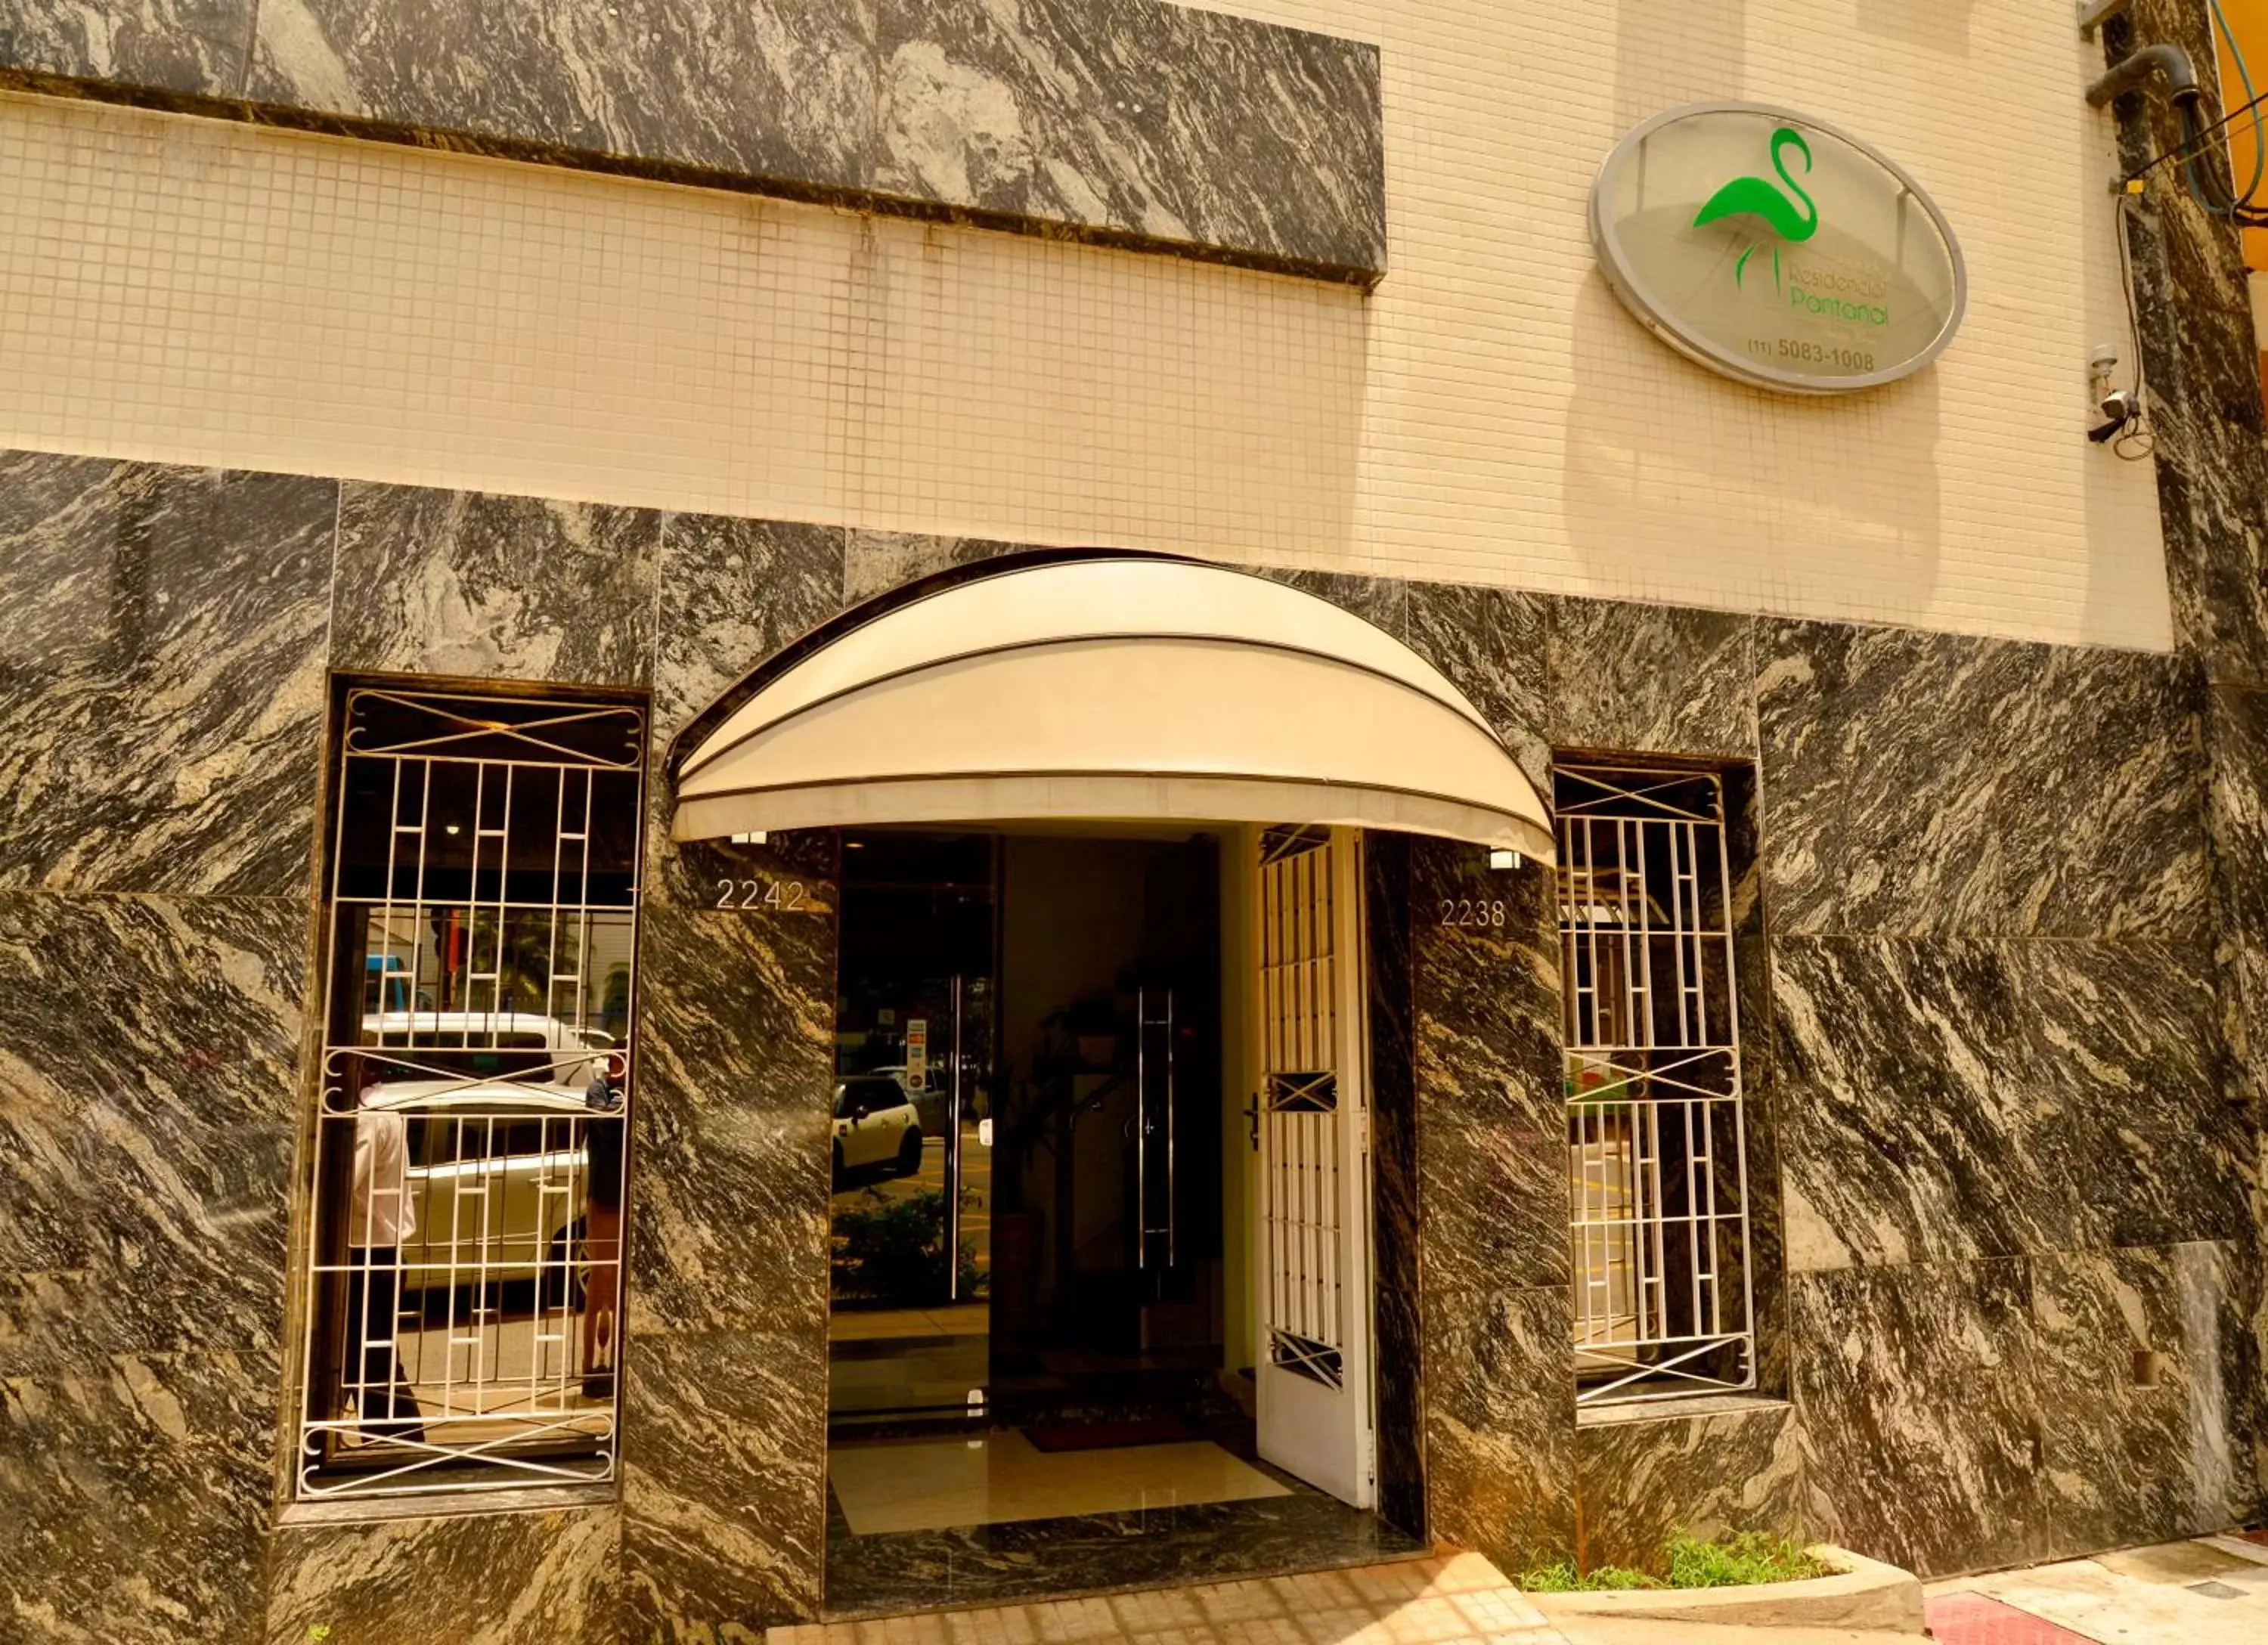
[1313, 1203]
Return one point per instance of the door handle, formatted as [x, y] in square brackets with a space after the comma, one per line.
[1252, 1115]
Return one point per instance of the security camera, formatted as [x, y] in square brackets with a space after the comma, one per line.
[2119, 408]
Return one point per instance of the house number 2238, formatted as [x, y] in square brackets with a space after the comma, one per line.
[1473, 911]
[785, 896]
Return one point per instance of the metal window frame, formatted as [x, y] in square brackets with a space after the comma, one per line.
[1653, 1087]
[494, 1431]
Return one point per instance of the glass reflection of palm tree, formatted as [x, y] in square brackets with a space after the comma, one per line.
[1753, 196]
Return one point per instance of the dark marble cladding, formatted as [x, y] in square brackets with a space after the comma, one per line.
[1647, 679]
[1919, 1418]
[137, 1495]
[1399, 1345]
[1491, 1162]
[729, 1167]
[1642, 1481]
[1492, 1159]
[189, 46]
[875, 562]
[1920, 784]
[2236, 739]
[487, 586]
[725, 1482]
[1126, 118]
[733, 591]
[1967, 1097]
[1499, 1423]
[147, 1106]
[1159, 119]
[1494, 645]
[782, 89]
[161, 675]
[1965, 1416]
[1156, 1548]
[472, 1579]
[2125, 1461]
[2203, 357]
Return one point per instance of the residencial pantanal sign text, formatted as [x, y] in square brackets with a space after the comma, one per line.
[1776, 249]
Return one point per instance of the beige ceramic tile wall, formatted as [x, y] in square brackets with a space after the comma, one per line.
[201, 293]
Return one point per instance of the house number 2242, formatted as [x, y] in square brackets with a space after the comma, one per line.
[785, 896]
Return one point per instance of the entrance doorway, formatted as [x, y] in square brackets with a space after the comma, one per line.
[1099, 1275]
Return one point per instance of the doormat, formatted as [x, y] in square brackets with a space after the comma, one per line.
[1062, 1436]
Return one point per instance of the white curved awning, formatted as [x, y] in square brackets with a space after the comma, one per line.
[1120, 688]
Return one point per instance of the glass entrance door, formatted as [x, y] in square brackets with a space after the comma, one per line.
[910, 1224]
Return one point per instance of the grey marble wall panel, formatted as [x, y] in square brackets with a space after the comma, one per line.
[472, 1579]
[187, 46]
[137, 1493]
[729, 1174]
[1901, 1141]
[733, 591]
[1651, 679]
[1126, 119]
[1644, 1479]
[1492, 1151]
[2236, 741]
[1494, 645]
[1500, 1425]
[1172, 124]
[725, 1483]
[1396, 1203]
[1492, 1208]
[875, 562]
[1805, 738]
[784, 89]
[148, 1093]
[1935, 784]
[1963, 1098]
[2203, 360]
[161, 675]
[486, 586]
[2121, 1066]
[2135, 1453]
[1916, 1388]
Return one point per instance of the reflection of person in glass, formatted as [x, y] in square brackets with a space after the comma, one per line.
[380, 1216]
[602, 1235]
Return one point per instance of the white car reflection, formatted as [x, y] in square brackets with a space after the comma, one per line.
[875, 1125]
[498, 1175]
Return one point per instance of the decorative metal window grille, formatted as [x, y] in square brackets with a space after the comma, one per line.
[465, 1251]
[1299, 1041]
[1656, 1156]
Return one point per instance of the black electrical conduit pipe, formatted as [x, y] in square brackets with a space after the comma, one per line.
[2182, 90]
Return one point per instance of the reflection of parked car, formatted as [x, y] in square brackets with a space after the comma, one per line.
[874, 1124]
[498, 1175]
[488, 1044]
[932, 1103]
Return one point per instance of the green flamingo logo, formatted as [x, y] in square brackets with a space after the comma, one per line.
[1753, 197]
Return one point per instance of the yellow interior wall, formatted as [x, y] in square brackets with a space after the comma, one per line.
[2249, 20]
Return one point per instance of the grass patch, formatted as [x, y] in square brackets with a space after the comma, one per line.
[1754, 1556]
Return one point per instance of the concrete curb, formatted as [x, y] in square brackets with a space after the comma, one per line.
[1863, 1594]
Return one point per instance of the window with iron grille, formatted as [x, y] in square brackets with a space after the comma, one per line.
[462, 1318]
[1657, 1166]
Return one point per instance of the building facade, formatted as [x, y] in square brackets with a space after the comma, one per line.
[385, 386]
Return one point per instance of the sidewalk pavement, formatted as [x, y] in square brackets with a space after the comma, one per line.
[2210, 1591]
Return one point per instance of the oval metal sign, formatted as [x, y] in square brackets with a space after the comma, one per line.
[1776, 249]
